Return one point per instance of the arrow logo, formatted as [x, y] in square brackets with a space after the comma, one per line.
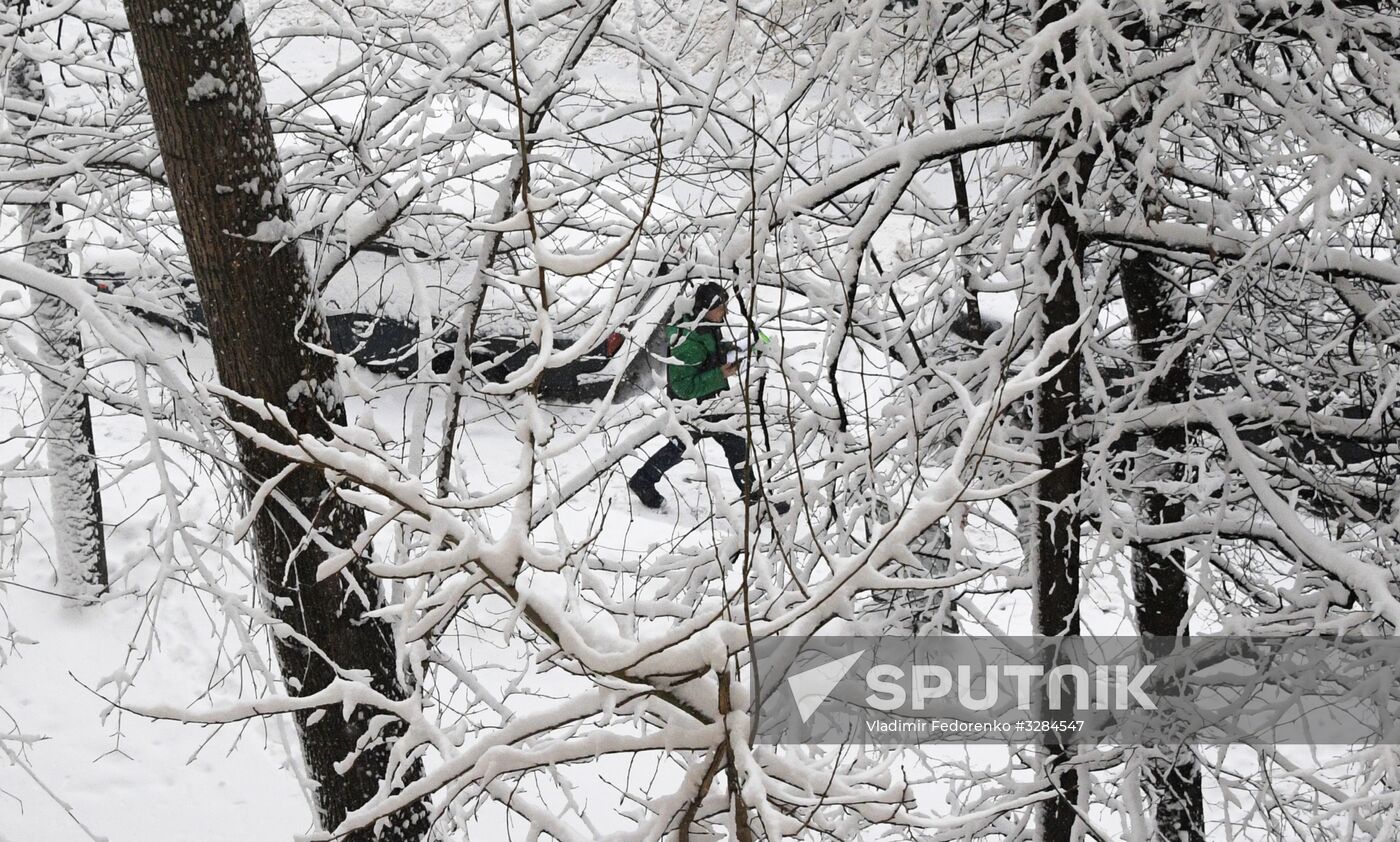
[811, 687]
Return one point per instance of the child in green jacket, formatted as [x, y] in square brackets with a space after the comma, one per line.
[700, 373]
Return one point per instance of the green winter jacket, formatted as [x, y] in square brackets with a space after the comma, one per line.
[699, 373]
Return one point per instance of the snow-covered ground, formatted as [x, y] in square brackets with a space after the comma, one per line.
[76, 768]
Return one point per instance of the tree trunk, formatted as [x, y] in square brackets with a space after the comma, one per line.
[1056, 559]
[217, 145]
[75, 498]
[962, 205]
[1159, 576]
